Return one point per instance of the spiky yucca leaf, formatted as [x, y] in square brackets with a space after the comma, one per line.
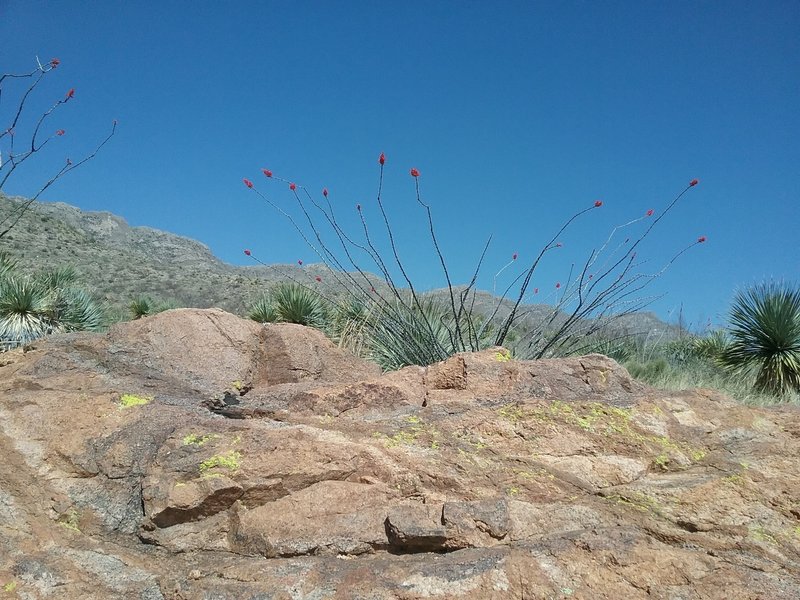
[765, 332]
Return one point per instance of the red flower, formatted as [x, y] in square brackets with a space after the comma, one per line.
[292, 187]
[70, 94]
[598, 203]
[55, 62]
[559, 244]
[649, 213]
[590, 276]
[248, 183]
[382, 158]
[694, 182]
[247, 252]
[414, 173]
[318, 278]
[267, 172]
[535, 290]
[558, 285]
[325, 192]
[701, 239]
[300, 262]
[60, 132]
[514, 256]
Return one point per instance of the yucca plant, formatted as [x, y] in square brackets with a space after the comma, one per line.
[263, 310]
[290, 302]
[764, 326]
[24, 310]
[32, 307]
[141, 306]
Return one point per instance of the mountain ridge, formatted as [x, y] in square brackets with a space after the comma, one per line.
[118, 262]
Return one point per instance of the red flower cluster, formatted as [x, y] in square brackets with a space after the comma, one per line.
[535, 290]
[248, 183]
[292, 187]
[514, 256]
[267, 172]
[694, 182]
[325, 192]
[300, 262]
[701, 239]
[649, 213]
[70, 94]
[318, 278]
[247, 252]
[414, 173]
[558, 285]
[54, 62]
[60, 132]
[598, 203]
[382, 158]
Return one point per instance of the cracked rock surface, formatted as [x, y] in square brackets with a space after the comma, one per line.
[194, 454]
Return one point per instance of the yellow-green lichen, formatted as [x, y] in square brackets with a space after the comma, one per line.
[638, 500]
[194, 439]
[10, 586]
[70, 520]
[762, 535]
[503, 355]
[129, 400]
[237, 385]
[230, 460]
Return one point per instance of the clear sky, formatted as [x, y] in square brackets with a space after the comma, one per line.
[517, 114]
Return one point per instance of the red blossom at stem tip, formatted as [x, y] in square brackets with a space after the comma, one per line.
[598, 203]
[649, 213]
[318, 278]
[300, 262]
[70, 94]
[514, 256]
[54, 62]
[267, 172]
[694, 182]
[559, 244]
[382, 159]
[292, 187]
[414, 173]
[701, 239]
[590, 276]
[325, 192]
[247, 182]
[558, 285]
[535, 290]
[247, 252]
[60, 132]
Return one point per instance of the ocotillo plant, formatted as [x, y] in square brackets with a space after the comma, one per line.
[605, 287]
[22, 138]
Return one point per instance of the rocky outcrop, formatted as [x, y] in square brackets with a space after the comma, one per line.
[197, 455]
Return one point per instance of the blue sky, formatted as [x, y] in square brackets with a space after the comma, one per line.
[517, 114]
